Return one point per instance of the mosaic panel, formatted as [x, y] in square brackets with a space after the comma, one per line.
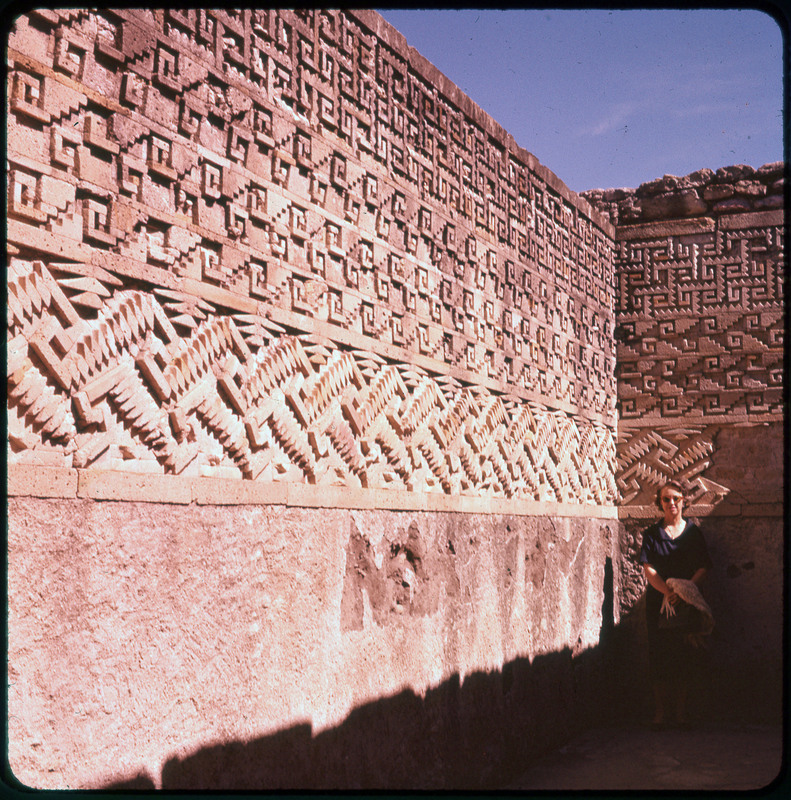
[701, 321]
[161, 382]
[255, 151]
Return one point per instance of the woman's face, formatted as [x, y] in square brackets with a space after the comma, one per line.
[672, 501]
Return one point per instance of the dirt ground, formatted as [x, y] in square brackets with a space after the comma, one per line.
[706, 757]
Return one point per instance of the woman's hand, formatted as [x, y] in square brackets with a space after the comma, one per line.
[669, 599]
[653, 577]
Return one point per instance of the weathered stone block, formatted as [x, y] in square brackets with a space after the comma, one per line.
[99, 485]
[718, 191]
[735, 173]
[34, 480]
[685, 203]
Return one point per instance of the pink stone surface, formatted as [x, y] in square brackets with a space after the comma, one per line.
[320, 387]
[139, 632]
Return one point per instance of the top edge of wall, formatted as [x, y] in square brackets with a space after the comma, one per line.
[62, 483]
[394, 39]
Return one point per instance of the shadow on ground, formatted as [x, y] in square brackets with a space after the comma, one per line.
[482, 733]
[475, 734]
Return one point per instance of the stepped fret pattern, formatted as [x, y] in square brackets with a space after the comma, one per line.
[278, 245]
[138, 388]
[701, 321]
[298, 160]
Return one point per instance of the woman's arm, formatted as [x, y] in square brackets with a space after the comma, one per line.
[656, 580]
[698, 577]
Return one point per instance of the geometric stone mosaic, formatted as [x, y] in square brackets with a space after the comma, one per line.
[279, 245]
[650, 456]
[252, 152]
[238, 396]
[701, 321]
[700, 330]
[276, 245]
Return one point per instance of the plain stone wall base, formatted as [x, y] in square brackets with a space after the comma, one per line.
[266, 646]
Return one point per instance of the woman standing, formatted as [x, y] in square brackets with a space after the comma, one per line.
[672, 548]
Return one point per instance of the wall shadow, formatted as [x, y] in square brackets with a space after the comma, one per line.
[138, 783]
[475, 734]
[720, 691]
[482, 733]
[479, 733]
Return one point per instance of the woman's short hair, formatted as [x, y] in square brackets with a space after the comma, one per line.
[673, 484]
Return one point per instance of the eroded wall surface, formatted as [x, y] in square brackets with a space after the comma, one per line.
[251, 647]
[700, 347]
[339, 361]
[337, 356]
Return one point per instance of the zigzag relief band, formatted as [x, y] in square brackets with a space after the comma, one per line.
[239, 396]
[279, 247]
[647, 457]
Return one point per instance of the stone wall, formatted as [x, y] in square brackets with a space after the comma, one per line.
[700, 350]
[259, 646]
[311, 404]
[283, 247]
[314, 447]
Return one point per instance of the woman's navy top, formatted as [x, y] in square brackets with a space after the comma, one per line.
[681, 557]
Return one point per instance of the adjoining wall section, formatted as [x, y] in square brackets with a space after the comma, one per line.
[311, 400]
[701, 264]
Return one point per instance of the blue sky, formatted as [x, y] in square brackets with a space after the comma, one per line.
[615, 98]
